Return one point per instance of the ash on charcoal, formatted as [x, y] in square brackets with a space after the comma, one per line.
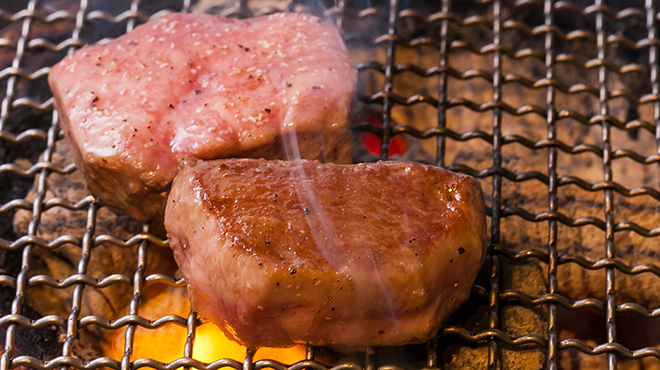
[517, 234]
[515, 320]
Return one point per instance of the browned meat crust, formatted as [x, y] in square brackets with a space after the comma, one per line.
[280, 252]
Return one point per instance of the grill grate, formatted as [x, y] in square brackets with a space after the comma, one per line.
[392, 43]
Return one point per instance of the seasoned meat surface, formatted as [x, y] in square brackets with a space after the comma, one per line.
[283, 252]
[202, 86]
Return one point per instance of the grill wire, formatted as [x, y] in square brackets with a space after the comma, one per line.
[496, 16]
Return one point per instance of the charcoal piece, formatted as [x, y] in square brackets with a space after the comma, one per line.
[106, 259]
[516, 320]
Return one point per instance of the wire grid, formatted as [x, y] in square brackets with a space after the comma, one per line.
[394, 12]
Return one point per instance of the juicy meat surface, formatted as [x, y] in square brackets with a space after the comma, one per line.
[283, 252]
[202, 86]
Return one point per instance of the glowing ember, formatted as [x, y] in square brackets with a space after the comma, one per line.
[212, 344]
[371, 141]
[165, 344]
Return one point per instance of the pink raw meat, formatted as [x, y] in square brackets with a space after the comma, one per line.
[201, 86]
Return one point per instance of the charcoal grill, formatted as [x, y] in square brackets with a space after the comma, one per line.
[492, 48]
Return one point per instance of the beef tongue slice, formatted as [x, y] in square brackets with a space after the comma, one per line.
[283, 252]
[202, 86]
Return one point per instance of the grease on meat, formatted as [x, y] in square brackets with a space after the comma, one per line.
[346, 256]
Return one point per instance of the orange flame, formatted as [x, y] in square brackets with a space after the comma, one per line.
[165, 344]
[212, 344]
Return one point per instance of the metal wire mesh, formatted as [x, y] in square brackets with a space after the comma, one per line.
[447, 30]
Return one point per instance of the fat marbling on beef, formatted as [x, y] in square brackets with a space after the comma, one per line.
[283, 252]
[202, 86]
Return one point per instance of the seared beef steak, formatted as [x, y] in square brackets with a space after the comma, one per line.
[283, 252]
[202, 86]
